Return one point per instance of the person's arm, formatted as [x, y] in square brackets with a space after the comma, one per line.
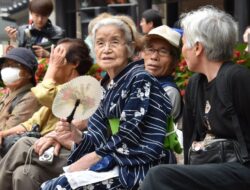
[45, 92]
[56, 62]
[23, 110]
[85, 162]
[14, 130]
[65, 135]
[40, 51]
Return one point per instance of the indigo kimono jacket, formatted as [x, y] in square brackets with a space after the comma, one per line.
[142, 106]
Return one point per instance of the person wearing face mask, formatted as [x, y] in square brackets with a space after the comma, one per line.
[18, 69]
[41, 33]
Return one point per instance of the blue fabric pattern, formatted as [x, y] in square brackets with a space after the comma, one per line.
[142, 105]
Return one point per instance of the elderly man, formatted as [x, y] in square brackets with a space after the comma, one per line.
[208, 42]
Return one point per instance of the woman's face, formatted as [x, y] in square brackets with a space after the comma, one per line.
[23, 78]
[157, 58]
[110, 49]
[39, 20]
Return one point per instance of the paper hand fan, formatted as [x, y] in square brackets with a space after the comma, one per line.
[77, 99]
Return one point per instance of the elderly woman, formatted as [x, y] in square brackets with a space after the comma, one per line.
[18, 69]
[136, 101]
[69, 60]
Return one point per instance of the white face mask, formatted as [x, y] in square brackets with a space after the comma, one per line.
[10, 75]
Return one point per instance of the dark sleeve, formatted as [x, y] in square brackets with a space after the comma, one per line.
[191, 113]
[188, 120]
[21, 36]
[240, 90]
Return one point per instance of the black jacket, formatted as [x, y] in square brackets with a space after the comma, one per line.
[29, 36]
[236, 82]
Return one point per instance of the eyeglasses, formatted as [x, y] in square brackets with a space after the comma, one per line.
[111, 44]
[161, 52]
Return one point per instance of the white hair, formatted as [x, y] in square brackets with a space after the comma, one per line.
[215, 29]
[122, 26]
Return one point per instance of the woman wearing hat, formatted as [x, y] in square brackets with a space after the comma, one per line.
[18, 69]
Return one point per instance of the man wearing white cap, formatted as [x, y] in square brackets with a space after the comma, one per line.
[161, 54]
[216, 113]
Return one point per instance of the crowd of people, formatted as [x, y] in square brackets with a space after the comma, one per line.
[130, 142]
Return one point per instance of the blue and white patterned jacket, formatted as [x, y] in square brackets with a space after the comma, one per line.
[142, 106]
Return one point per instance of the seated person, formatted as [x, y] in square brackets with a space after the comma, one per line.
[18, 69]
[209, 39]
[134, 98]
[161, 55]
[71, 58]
[41, 33]
[70, 52]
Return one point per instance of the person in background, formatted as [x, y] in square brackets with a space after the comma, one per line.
[138, 105]
[161, 55]
[18, 69]
[68, 60]
[41, 33]
[209, 39]
[150, 19]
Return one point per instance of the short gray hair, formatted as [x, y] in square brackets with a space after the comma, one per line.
[121, 25]
[215, 29]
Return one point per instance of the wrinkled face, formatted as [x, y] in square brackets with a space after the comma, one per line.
[111, 49]
[146, 27]
[39, 20]
[189, 55]
[157, 57]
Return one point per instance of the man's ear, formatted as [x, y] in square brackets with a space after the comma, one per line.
[199, 48]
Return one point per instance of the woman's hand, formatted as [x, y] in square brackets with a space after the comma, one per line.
[65, 130]
[44, 143]
[85, 162]
[56, 64]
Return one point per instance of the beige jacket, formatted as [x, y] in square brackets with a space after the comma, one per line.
[22, 111]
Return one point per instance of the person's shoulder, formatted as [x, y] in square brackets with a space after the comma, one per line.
[138, 71]
[233, 70]
[194, 79]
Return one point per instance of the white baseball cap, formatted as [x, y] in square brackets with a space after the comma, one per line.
[169, 34]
